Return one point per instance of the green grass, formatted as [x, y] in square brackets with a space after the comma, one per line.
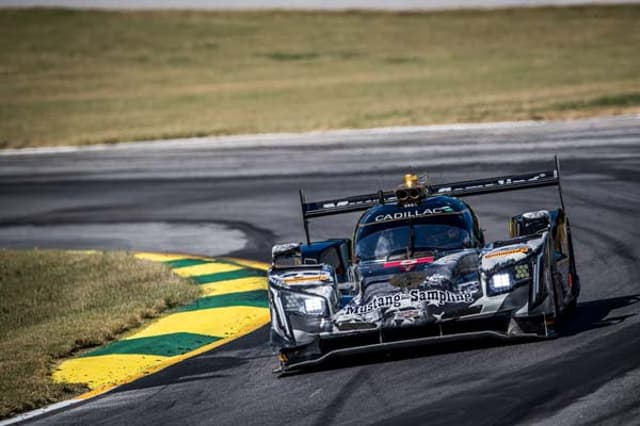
[54, 303]
[627, 100]
[79, 77]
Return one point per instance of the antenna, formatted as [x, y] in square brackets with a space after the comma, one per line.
[426, 179]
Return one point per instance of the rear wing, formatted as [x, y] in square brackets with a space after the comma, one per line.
[456, 189]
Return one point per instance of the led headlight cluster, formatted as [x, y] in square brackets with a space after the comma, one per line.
[314, 305]
[304, 304]
[501, 281]
[509, 278]
[522, 271]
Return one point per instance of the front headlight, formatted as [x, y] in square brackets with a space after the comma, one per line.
[507, 279]
[304, 304]
[522, 271]
[501, 281]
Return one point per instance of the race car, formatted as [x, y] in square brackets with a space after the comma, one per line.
[418, 270]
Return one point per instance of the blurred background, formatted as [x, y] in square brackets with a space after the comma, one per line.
[78, 75]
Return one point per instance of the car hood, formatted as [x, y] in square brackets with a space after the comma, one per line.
[414, 291]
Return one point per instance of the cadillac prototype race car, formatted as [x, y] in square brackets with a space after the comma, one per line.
[418, 270]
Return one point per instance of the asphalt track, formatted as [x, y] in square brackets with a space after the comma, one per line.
[589, 375]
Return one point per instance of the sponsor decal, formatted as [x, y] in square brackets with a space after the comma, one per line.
[431, 297]
[300, 279]
[336, 204]
[377, 303]
[440, 297]
[408, 264]
[346, 203]
[496, 183]
[413, 213]
[507, 252]
[407, 315]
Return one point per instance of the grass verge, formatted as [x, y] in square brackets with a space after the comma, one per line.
[80, 77]
[54, 303]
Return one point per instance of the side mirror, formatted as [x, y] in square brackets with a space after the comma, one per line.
[286, 254]
[529, 223]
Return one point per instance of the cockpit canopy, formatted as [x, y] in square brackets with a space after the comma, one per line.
[388, 232]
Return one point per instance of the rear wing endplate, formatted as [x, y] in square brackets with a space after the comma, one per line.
[455, 189]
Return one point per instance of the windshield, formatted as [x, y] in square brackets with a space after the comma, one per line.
[405, 241]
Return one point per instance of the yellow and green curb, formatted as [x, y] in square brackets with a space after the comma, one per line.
[233, 303]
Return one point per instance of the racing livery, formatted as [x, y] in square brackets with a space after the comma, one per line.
[418, 270]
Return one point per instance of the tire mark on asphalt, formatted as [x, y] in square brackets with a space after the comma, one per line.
[536, 391]
[612, 245]
[331, 411]
[626, 414]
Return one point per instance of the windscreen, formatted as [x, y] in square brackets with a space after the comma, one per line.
[408, 239]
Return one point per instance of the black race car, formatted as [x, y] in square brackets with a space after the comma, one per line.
[418, 270]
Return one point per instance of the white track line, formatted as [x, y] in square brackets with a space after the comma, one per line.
[284, 139]
[270, 137]
[40, 411]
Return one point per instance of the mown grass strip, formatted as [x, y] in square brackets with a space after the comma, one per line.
[228, 276]
[255, 298]
[625, 100]
[163, 345]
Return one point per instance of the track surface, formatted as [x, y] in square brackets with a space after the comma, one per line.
[590, 375]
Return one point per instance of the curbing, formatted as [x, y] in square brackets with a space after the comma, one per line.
[233, 302]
